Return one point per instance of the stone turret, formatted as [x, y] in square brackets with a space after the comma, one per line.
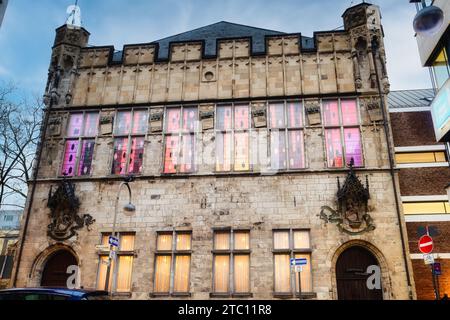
[363, 22]
[65, 60]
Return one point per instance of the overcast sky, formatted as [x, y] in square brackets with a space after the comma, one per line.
[27, 33]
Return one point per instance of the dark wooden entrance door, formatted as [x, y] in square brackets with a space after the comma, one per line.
[55, 271]
[351, 268]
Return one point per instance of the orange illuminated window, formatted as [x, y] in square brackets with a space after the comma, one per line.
[420, 157]
[432, 207]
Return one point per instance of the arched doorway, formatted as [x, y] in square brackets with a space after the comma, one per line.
[55, 270]
[351, 275]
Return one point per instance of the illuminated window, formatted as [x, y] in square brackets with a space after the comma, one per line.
[286, 136]
[290, 244]
[123, 270]
[231, 262]
[232, 138]
[82, 130]
[172, 263]
[432, 207]
[342, 133]
[180, 145]
[129, 139]
[420, 157]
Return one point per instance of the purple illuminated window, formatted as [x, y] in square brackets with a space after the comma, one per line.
[277, 119]
[70, 158]
[75, 125]
[353, 150]
[171, 154]
[295, 114]
[78, 154]
[347, 137]
[140, 122]
[241, 117]
[296, 152]
[278, 149]
[120, 156]
[123, 123]
[136, 155]
[87, 154]
[224, 118]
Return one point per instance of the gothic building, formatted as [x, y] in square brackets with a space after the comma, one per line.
[246, 147]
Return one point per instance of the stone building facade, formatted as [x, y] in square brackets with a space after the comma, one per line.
[424, 174]
[239, 140]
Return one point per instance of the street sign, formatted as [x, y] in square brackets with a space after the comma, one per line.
[113, 241]
[437, 269]
[299, 262]
[102, 247]
[426, 244]
[298, 268]
[112, 255]
[428, 258]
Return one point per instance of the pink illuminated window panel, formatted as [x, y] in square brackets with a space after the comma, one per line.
[241, 117]
[123, 123]
[331, 113]
[223, 151]
[278, 149]
[296, 149]
[70, 158]
[187, 156]
[173, 117]
[349, 112]
[295, 114]
[140, 122]
[334, 148]
[224, 118]
[120, 156]
[91, 124]
[277, 119]
[171, 154]
[136, 155]
[190, 119]
[353, 150]
[75, 125]
[87, 154]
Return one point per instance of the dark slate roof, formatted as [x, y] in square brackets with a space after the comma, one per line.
[220, 30]
[410, 98]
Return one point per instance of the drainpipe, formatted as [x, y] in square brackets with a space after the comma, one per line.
[33, 187]
[374, 50]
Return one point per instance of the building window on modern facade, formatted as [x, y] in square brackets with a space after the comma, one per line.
[420, 157]
[122, 272]
[82, 130]
[441, 71]
[429, 207]
[129, 139]
[286, 135]
[172, 263]
[181, 124]
[342, 132]
[231, 263]
[233, 138]
[288, 244]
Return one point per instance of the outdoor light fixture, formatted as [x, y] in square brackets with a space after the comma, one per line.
[129, 209]
[428, 21]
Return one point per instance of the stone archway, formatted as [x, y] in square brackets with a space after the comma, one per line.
[57, 254]
[55, 270]
[371, 250]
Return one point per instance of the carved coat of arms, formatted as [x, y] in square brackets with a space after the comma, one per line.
[352, 215]
[64, 206]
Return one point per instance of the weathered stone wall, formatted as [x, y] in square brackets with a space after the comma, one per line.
[258, 203]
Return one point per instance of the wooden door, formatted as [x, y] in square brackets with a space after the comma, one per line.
[55, 272]
[351, 275]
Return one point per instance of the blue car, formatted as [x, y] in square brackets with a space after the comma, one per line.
[52, 294]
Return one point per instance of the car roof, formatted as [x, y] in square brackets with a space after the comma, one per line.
[63, 291]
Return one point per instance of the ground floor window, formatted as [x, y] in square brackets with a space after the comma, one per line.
[231, 262]
[123, 270]
[172, 263]
[290, 244]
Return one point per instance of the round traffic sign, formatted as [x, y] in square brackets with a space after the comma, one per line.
[426, 244]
